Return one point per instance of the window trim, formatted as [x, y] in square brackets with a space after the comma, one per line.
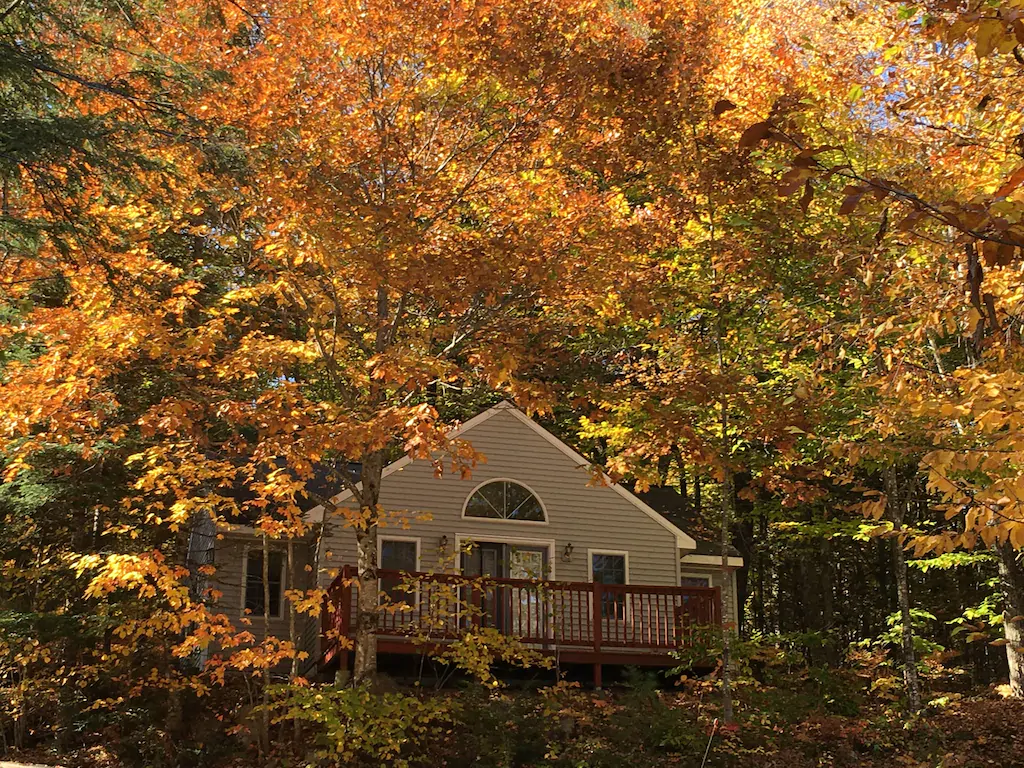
[627, 611]
[418, 541]
[246, 549]
[381, 538]
[624, 553]
[694, 575]
[505, 520]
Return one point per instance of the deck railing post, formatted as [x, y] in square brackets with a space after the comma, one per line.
[597, 597]
[475, 606]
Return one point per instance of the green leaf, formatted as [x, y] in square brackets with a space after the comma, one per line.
[906, 12]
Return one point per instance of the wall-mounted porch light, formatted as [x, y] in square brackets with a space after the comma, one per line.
[567, 553]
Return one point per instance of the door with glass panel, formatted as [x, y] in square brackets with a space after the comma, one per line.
[483, 559]
[526, 603]
[512, 609]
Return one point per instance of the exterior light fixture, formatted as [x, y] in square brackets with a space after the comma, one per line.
[567, 553]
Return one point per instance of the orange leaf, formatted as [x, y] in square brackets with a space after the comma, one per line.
[852, 200]
[755, 134]
[806, 197]
[722, 106]
[1015, 180]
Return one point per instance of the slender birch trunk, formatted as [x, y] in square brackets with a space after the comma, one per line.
[293, 635]
[728, 506]
[265, 735]
[364, 669]
[896, 516]
[728, 514]
[1011, 577]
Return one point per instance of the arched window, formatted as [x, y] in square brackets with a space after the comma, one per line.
[505, 500]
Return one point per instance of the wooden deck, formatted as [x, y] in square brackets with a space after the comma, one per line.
[578, 622]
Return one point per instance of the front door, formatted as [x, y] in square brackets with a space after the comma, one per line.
[511, 608]
[525, 603]
[488, 560]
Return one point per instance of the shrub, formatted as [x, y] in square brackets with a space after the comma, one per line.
[355, 726]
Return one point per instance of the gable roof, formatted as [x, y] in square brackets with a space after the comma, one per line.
[683, 540]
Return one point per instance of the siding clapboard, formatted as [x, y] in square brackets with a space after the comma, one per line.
[229, 582]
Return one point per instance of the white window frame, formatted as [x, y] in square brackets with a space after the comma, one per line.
[694, 575]
[502, 520]
[624, 553]
[245, 579]
[381, 538]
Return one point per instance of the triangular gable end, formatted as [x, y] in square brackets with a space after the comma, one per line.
[683, 540]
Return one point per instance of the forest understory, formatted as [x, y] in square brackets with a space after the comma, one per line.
[830, 720]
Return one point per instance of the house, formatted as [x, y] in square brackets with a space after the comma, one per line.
[587, 571]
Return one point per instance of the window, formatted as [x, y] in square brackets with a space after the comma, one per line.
[696, 606]
[398, 555]
[254, 592]
[610, 568]
[693, 580]
[505, 500]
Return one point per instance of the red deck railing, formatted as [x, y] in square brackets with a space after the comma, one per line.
[591, 619]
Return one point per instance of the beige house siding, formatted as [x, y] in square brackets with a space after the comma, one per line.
[588, 517]
[417, 505]
[724, 581]
[229, 581]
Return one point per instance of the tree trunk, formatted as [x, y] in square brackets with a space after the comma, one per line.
[1011, 577]
[265, 735]
[728, 502]
[364, 669]
[742, 537]
[761, 563]
[293, 635]
[827, 557]
[910, 676]
[664, 464]
[803, 606]
[684, 493]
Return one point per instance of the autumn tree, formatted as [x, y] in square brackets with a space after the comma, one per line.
[419, 198]
[926, 138]
[98, 158]
[713, 378]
